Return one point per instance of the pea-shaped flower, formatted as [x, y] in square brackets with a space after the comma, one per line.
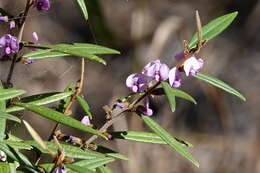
[156, 70]
[175, 78]
[42, 5]
[192, 66]
[8, 45]
[60, 169]
[136, 82]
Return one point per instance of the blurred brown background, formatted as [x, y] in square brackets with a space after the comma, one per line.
[223, 129]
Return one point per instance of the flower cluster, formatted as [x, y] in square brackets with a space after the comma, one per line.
[8, 45]
[155, 70]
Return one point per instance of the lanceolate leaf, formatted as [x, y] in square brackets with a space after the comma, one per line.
[220, 84]
[168, 139]
[7, 116]
[170, 95]
[111, 153]
[84, 105]
[2, 121]
[105, 169]
[184, 95]
[41, 99]
[59, 118]
[78, 169]
[8, 167]
[145, 137]
[213, 28]
[83, 50]
[94, 163]
[17, 145]
[15, 155]
[10, 93]
[71, 151]
[83, 8]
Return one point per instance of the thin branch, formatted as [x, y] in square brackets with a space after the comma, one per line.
[116, 114]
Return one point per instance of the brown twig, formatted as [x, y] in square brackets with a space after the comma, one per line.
[116, 114]
[77, 92]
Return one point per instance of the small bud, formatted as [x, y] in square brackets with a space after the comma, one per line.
[2, 156]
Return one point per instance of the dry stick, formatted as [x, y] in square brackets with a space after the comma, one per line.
[116, 114]
[66, 111]
[78, 90]
[21, 29]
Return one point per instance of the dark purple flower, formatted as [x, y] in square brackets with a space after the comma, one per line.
[192, 66]
[156, 70]
[85, 120]
[42, 5]
[175, 78]
[4, 18]
[136, 82]
[8, 45]
[11, 24]
[60, 169]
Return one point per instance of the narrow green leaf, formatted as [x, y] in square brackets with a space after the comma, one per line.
[35, 135]
[60, 118]
[64, 103]
[7, 168]
[15, 155]
[17, 145]
[220, 84]
[7, 116]
[168, 139]
[71, 151]
[6, 94]
[83, 50]
[83, 8]
[78, 169]
[42, 100]
[2, 121]
[36, 97]
[184, 95]
[94, 163]
[213, 28]
[84, 105]
[109, 152]
[145, 137]
[170, 95]
[105, 169]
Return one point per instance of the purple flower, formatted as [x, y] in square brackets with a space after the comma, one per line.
[60, 169]
[35, 38]
[175, 78]
[4, 18]
[11, 24]
[28, 61]
[120, 105]
[85, 120]
[156, 70]
[8, 45]
[42, 5]
[136, 82]
[145, 109]
[192, 66]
